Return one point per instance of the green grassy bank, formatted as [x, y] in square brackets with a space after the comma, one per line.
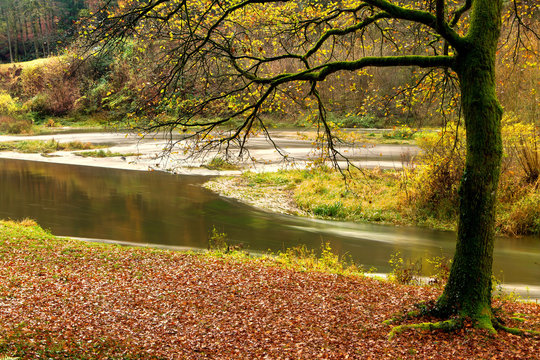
[376, 196]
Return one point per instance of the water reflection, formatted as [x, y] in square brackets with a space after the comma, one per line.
[153, 207]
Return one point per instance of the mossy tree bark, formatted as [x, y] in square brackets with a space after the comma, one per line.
[468, 292]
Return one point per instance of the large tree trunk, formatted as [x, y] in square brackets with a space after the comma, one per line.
[468, 292]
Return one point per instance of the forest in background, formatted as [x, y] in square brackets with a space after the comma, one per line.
[30, 29]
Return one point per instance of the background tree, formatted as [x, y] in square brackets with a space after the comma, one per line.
[236, 60]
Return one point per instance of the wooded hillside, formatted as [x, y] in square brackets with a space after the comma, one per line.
[30, 29]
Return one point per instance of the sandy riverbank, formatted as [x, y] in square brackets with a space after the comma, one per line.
[276, 199]
[262, 155]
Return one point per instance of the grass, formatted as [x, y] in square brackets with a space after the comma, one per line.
[97, 120]
[383, 138]
[104, 154]
[370, 196]
[361, 137]
[44, 147]
[219, 163]
[375, 196]
[27, 64]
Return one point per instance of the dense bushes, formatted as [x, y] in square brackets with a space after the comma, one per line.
[523, 217]
[44, 89]
[11, 120]
[13, 125]
[432, 187]
[123, 83]
[64, 86]
[435, 182]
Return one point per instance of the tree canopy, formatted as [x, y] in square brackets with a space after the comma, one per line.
[222, 61]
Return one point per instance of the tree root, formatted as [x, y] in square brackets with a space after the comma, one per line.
[447, 325]
[457, 323]
[516, 331]
[401, 317]
[485, 320]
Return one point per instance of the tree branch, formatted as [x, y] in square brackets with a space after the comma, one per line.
[460, 11]
[320, 72]
[422, 17]
[350, 29]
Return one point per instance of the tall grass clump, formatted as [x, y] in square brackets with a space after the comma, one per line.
[326, 260]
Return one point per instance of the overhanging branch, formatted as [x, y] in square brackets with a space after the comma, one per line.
[320, 72]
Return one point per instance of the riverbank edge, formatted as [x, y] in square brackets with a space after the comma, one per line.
[276, 199]
[280, 199]
[264, 194]
[226, 182]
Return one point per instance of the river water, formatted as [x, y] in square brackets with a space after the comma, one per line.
[175, 211]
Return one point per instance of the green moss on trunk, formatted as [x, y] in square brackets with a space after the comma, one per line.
[468, 291]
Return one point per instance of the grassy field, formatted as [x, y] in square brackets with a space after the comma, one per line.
[371, 196]
[26, 64]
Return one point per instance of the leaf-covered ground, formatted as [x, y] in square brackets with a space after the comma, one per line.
[64, 299]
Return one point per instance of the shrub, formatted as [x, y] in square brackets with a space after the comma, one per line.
[524, 215]
[404, 272]
[522, 148]
[304, 259]
[355, 121]
[441, 270]
[432, 187]
[12, 125]
[49, 88]
[31, 81]
[7, 104]
[436, 181]
[402, 132]
[93, 98]
[39, 104]
[217, 240]
[219, 163]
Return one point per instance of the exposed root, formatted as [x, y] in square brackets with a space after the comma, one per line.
[484, 319]
[453, 324]
[447, 325]
[516, 331]
[401, 317]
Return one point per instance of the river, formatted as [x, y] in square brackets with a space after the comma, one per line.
[175, 211]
